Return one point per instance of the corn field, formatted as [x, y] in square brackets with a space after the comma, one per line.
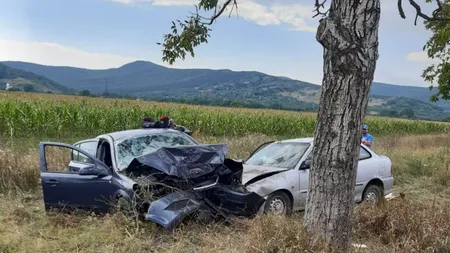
[25, 115]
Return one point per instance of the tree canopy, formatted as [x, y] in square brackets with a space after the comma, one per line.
[438, 48]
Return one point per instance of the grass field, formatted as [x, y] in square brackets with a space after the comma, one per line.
[416, 223]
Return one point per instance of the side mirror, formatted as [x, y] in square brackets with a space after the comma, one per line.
[305, 165]
[93, 171]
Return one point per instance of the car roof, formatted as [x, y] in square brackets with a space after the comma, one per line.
[136, 132]
[310, 140]
[304, 140]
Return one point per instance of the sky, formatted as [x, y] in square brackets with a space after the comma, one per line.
[276, 37]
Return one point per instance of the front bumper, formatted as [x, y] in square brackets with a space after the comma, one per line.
[388, 184]
[171, 209]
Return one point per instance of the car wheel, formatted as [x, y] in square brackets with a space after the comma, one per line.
[278, 203]
[124, 206]
[372, 194]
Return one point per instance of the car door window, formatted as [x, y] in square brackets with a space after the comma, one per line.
[60, 159]
[74, 153]
[363, 154]
[104, 153]
[90, 147]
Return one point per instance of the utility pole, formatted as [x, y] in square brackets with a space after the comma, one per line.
[105, 93]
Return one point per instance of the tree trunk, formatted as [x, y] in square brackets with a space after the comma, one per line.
[349, 35]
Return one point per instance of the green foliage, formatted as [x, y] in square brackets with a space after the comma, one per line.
[194, 31]
[51, 116]
[408, 108]
[85, 93]
[388, 113]
[28, 88]
[177, 45]
[15, 89]
[438, 47]
[409, 113]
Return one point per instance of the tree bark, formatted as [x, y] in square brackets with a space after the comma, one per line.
[349, 36]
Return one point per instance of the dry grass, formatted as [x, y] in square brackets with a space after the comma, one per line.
[418, 223]
[404, 225]
[19, 170]
[398, 226]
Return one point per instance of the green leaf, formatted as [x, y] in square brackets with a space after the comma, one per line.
[438, 48]
[190, 33]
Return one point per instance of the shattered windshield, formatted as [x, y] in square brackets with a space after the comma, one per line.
[128, 149]
[279, 154]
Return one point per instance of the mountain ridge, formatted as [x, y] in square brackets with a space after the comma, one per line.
[24, 80]
[149, 80]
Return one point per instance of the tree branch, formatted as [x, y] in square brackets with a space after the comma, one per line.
[317, 6]
[194, 30]
[436, 16]
[400, 9]
[217, 14]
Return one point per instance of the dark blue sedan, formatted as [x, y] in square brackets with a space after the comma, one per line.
[93, 180]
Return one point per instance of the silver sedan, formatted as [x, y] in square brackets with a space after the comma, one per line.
[279, 172]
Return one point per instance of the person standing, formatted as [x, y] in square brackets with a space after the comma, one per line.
[367, 139]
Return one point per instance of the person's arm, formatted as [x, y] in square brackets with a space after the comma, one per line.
[368, 140]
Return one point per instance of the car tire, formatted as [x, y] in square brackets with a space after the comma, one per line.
[373, 194]
[124, 206]
[204, 216]
[278, 203]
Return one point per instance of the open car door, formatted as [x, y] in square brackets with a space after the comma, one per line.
[69, 185]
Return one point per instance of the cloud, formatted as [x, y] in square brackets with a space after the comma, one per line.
[122, 1]
[420, 57]
[295, 15]
[258, 13]
[54, 54]
[47, 53]
[173, 2]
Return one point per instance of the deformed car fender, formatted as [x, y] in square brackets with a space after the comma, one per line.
[171, 209]
[269, 184]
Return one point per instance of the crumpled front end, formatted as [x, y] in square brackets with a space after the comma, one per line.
[194, 179]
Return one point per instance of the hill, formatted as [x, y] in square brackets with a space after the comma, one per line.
[225, 87]
[23, 80]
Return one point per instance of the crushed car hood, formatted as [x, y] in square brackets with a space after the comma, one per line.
[254, 173]
[185, 162]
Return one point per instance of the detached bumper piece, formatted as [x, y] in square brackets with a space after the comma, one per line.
[169, 211]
